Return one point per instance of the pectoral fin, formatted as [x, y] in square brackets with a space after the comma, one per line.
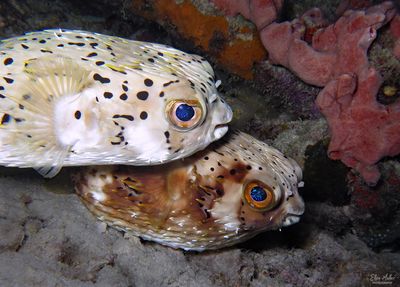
[28, 136]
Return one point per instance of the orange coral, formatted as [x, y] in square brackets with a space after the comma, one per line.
[235, 48]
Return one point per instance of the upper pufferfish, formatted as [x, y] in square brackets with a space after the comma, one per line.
[233, 190]
[81, 98]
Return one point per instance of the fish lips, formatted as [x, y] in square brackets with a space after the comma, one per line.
[222, 116]
[290, 219]
[294, 211]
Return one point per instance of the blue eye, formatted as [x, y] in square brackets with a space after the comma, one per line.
[258, 193]
[184, 112]
[260, 196]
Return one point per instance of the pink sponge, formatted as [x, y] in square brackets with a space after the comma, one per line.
[395, 29]
[260, 12]
[335, 57]
[363, 130]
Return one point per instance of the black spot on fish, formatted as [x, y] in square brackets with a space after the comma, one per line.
[125, 88]
[60, 45]
[8, 61]
[148, 82]
[142, 95]
[92, 55]
[161, 94]
[46, 51]
[123, 97]
[42, 41]
[108, 95]
[143, 115]
[8, 80]
[99, 78]
[99, 63]
[94, 45]
[79, 44]
[5, 119]
[170, 82]
[127, 117]
[24, 46]
[78, 115]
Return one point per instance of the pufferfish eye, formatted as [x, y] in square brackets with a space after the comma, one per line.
[259, 196]
[184, 114]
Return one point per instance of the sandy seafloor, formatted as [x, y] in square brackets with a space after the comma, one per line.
[48, 238]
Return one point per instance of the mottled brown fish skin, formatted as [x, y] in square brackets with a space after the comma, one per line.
[196, 203]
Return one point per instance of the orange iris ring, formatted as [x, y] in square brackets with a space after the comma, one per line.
[268, 203]
[184, 125]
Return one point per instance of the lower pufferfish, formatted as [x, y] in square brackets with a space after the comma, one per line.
[223, 195]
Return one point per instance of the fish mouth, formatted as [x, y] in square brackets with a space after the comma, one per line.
[291, 219]
[220, 131]
[222, 115]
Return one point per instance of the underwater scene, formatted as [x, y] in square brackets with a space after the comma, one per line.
[250, 143]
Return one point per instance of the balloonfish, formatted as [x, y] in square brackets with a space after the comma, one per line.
[223, 195]
[81, 98]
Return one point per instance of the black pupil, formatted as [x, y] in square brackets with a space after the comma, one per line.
[184, 112]
[258, 193]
